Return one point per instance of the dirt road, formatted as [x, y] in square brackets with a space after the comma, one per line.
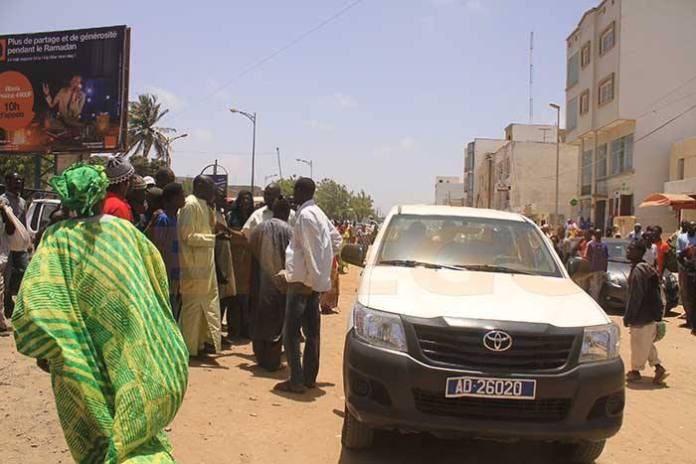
[231, 414]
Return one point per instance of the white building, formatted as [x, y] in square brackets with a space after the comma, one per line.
[630, 92]
[449, 191]
[476, 152]
[520, 176]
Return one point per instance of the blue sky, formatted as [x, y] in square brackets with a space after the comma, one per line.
[384, 98]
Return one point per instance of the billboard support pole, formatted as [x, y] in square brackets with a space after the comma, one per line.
[37, 170]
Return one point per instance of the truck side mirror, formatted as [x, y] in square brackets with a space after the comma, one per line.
[353, 254]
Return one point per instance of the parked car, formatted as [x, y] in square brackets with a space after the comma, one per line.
[39, 214]
[615, 289]
[466, 323]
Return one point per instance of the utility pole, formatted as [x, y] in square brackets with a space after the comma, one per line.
[489, 158]
[558, 147]
[251, 117]
[280, 168]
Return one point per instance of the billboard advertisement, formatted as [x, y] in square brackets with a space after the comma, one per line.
[64, 91]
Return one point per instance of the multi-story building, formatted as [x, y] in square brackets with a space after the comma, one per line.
[521, 175]
[630, 91]
[476, 152]
[449, 190]
[682, 172]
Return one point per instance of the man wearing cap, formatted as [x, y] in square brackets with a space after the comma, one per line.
[636, 233]
[119, 171]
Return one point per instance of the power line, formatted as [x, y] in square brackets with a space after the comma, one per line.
[289, 45]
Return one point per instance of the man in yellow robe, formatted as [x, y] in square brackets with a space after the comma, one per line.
[200, 307]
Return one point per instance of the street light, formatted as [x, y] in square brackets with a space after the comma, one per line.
[309, 163]
[169, 144]
[251, 117]
[270, 176]
[558, 141]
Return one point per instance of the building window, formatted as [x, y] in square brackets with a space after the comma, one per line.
[607, 39]
[605, 91]
[572, 114]
[622, 154]
[680, 169]
[573, 70]
[585, 101]
[602, 161]
[586, 173]
[585, 55]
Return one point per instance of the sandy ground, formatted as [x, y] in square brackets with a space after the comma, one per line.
[231, 414]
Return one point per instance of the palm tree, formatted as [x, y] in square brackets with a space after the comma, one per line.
[143, 132]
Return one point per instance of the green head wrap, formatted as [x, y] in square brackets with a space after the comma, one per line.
[80, 187]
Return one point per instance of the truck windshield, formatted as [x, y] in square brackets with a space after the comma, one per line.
[456, 242]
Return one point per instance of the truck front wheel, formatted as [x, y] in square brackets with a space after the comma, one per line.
[584, 452]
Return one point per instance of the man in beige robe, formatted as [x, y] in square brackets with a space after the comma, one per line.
[200, 307]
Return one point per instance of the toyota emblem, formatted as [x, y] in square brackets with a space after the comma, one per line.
[497, 340]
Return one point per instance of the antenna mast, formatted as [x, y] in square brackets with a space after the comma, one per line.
[531, 77]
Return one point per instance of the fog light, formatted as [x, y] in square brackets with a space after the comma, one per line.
[615, 404]
[360, 386]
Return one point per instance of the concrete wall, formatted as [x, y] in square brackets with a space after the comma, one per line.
[481, 148]
[532, 178]
[658, 63]
[449, 190]
[686, 150]
[544, 133]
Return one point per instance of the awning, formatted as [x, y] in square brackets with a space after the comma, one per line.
[675, 200]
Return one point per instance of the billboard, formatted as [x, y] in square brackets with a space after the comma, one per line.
[64, 91]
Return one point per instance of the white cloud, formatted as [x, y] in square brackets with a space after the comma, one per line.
[405, 144]
[321, 126]
[345, 101]
[168, 99]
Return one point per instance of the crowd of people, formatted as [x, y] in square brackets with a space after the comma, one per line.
[650, 254]
[133, 277]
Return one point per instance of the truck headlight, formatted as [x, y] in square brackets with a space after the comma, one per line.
[379, 328]
[600, 343]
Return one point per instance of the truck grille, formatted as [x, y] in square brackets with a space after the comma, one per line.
[463, 347]
[544, 410]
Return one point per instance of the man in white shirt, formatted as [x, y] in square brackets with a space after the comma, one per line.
[270, 194]
[308, 261]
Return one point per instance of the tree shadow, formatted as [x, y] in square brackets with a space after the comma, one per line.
[396, 448]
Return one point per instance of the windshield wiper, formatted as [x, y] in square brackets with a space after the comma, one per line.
[414, 263]
[492, 268]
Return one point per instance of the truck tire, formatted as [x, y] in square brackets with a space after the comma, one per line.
[355, 435]
[584, 452]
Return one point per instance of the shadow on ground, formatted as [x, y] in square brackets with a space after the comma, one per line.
[395, 448]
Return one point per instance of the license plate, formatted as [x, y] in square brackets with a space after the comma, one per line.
[486, 387]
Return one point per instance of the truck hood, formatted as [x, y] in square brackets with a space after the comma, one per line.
[452, 294]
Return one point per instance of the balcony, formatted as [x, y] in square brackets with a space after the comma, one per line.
[686, 186]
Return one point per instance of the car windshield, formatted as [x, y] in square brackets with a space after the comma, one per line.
[456, 242]
[617, 251]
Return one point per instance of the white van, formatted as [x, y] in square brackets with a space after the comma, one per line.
[467, 324]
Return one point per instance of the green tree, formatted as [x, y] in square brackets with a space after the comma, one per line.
[24, 165]
[333, 198]
[144, 134]
[287, 185]
[361, 205]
